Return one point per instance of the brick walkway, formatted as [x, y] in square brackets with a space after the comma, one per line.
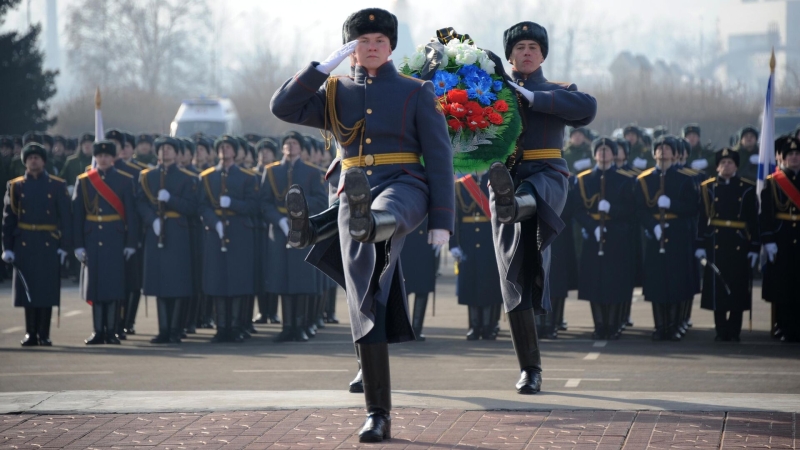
[412, 429]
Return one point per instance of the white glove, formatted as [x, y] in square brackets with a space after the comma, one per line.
[80, 254]
[8, 256]
[63, 255]
[163, 195]
[604, 206]
[700, 253]
[753, 258]
[337, 57]
[70, 190]
[597, 233]
[772, 251]
[525, 93]
[754, 159]
[582, 164]
[657, 232]
[284, 224]
[224, 201]
[664, 202]
[437, 249]
[128, 252]
[438, 237]
[219, 229]
[457, 254]
[157, 227]
[699, 164]
[640, 163]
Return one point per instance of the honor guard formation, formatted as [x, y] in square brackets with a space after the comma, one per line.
[214, 227]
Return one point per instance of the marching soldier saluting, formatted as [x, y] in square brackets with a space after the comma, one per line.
[228, 200]
[37, 234]
[604, 208]
[727, 236]
[106, 237]
[167, 201]
[666, 204]
[780, 233]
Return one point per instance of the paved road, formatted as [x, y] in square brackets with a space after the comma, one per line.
[446, 361]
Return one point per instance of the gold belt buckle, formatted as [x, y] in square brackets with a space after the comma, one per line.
[728, 223]
[794, 217]
[99, 218]
[369, 160]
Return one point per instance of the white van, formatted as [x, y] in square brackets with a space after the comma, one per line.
[212, 116]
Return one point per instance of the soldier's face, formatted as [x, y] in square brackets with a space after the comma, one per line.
[792, 160]
[577, 138]
[693, 139]
[240, 155]
[201, 156]
[726, 168]
[373, 50]
[143, 148]
[86, 148]
[34, 164]
[748, 140]
[526, 56]
[248, 160]
[291, 148]
[166, 154]
[127, 150]
[603, 155]
[226, 152]
[266, 157]
[104, 161]
[664, 153]
[620, 159]
[632, 138]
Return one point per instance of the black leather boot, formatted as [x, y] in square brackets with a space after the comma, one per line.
[682, 327]
[43, 327]
[131, 308]
[98, 337]
[330, 306]
[305, 230]
[287, 312]
[511, 205]
[177, 318]
[119, 320]
[272, 308]
[418, 316]
[221, 308]
[357, 385]
[162, 310]
[658, 321]
[474, 316]
[237, 312]
[526, 346]
[319, 301]
[557, 317]
[614, 328]
[366, 225]
[192, 307]
[377, 392]
[111, 312]
[308, 313]
[298, 320]
[263, 316]
[626, 315]
[675, 318]
[31, 339]
[246, 323]
[488, 324]
[599, 332]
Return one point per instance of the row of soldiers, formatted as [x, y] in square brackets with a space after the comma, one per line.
[677, 205]
[199, 239]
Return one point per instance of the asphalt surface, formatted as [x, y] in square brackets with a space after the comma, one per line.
[444, 362]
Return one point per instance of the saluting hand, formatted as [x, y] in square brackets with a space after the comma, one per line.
[337, 57]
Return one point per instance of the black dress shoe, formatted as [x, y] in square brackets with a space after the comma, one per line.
[191, 329]
[130, 331]
[331, 319]
[530, 382]
[473, 334]
[113, 340]
[45, 342]
[276, 319]
[160, 339]
[261, 318]
[377, 428]
[220, 337]
[95, 339]
[122, 336]
[238, 337]
[30, 341]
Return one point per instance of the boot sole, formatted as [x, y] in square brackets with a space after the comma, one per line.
[527, 390]
[356, 389]
[503, 187]
[357, 190]
[297, 208]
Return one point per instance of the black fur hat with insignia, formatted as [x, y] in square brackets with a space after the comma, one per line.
[787, 144]
[144, 138]
[188, 145]
[34, 148]
[605, 141]
[667, 140]
[226, 139]
[526, 31]
[370, 20]
[87, 137]
[31, 136]
[167, 140]
[106, 146]
[745, 130]
[116, 135]
[296, 136]
[691, 128]
[130, 139]
[632, 128]
[6, 141]
[726, 152]
[269, 144]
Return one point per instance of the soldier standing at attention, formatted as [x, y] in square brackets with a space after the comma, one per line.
[604, 208]
[420, 268]
[780, 233]
[747, 146]
[384, 123]
[728, 237]
[228, 200]
[106, 237]
[167, 201]
[527, 201]
[37, 236]
[267, 148]
[640, 150]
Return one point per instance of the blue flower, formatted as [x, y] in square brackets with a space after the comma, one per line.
[444, 81]
[474, 74]
[497, 86]
[481, 91]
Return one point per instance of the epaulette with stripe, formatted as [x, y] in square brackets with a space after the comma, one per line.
[626, 173]
[133, 166]
[57, 178]
[88, 168]
[748, 181]
[248, 171]
[584, 173]
[646, 172]
[411, 78]
[22, 178]
[146, 171]
[688, 172]
[708, 181]
[315, 167]
[208, 171]
[188, 172]
[82, 175]
[125, 173]
[276, 163]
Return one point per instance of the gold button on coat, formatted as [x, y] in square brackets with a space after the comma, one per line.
[369, 111]
[368, 140]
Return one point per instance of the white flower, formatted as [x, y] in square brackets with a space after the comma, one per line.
[417, 60]
[467, 55]
[485, 63]
[452, 48]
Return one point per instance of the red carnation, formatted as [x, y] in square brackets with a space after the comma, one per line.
[455, 124]
[488, 110]
[501, 106]
[495, 118]
[476, 121]
[457, 96]
[474, 108]
[457, 110]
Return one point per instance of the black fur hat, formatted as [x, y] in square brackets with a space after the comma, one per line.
[34, 149]
[144, 138]
[605, 141]
[269, 144]
[691, 128]
[107, 147]
[522, 31]
[632, 128]
[667, 140]
[296, 136]
[370, 20]
[6, 141]
[745, 130]
[726, 152]
[167, 140]
[31, 136]
[189, 145]
[116, 135]
[226, 139]
[788, 144]
[87, 137]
